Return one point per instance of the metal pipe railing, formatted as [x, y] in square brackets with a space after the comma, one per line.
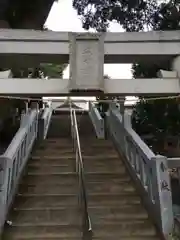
[86, 222]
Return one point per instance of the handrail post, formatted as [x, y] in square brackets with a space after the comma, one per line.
[126, 117]
[162, 194]
[3, 190]
[44, 123]
[97, 121]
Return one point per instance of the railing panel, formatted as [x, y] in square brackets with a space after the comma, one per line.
[149, 170]
[14, 159]
[174, 165]
[97, 120]
[44, 122]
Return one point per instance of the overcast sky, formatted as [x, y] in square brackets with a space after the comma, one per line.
[64, 18]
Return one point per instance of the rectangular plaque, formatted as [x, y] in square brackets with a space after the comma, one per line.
[86, 62]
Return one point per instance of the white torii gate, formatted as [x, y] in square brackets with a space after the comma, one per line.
[87, 53]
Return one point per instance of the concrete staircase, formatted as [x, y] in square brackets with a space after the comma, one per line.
[46, 206]
[115, 207]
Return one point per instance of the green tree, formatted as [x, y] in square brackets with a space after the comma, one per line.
[134, 15]
[52, 70]
[159, 117]
[49, 70]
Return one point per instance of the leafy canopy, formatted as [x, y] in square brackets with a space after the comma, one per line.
[133, 15]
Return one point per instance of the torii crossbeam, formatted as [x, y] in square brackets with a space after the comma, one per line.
[59, 87]
[87, 53]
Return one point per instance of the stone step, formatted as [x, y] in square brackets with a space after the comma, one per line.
[59, 200]
[54, 160]
[50, 178]
[50, 152]
[70, 153]
[109, 187]
[69, 149]
[89, 150]
[45, 200]
[101, 158]
[43, 238]
[42, 231]
[108, 177]
[106, 166]
[72, 188]
[107, 200]
[90, 176]
[125, 228]
[49, 168]
[90, 161]
[116, 214]
[125, 238]
[41, 188]
[91, 145]
[113, 165]
[106, 155]
[90, 140]
[94, 238]
[59, 141]
[56, 146]
[57, 216]
[100, 215]
[96, 142]
[67, 178]
[56, 155]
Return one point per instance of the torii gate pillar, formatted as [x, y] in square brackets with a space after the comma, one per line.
[86, 61]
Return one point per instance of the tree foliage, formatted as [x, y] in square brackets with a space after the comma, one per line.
[159, 117]
[168, 16]
[51, 70]
[134, 15]
[44, 70]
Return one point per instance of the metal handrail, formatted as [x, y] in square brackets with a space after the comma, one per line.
[86, 222]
